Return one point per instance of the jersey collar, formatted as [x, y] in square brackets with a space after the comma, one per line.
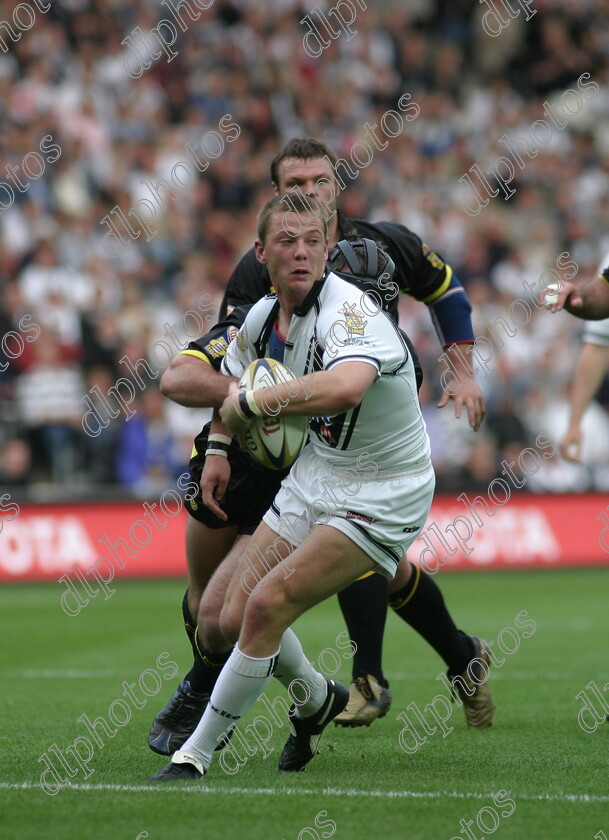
[311, 298]
[309, 302]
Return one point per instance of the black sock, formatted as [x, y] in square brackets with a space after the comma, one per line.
[206, 668]
[364, 607]
[420, 604]
[206, 665]
[190, 624]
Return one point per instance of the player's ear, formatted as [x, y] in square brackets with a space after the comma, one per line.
[275, 188]
[259, 251]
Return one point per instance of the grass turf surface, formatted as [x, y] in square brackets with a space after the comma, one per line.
[55, 668]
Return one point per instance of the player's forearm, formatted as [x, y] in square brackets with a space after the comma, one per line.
[460, 360]
[588, 376]
[453, 322]
[194, 383]
[590, 301]
[327, 392]
[452, 315]
[218, 427]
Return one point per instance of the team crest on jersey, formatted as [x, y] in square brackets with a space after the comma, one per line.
[242, 339]
[433, 258]
[217, 348]
[232, 333]
[354, 319]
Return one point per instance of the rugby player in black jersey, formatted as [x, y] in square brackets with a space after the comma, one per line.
[308, 166]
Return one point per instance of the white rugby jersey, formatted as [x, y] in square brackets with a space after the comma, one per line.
[596, 332]
[338, 323]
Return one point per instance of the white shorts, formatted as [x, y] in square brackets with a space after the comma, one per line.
[383, 514]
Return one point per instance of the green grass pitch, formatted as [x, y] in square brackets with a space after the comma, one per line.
[535, 775]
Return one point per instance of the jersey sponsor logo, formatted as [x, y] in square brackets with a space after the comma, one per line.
[354, 319]
[217, 348]
[193, 504]
[322, 425]
[352, 514]
[242, 339]
[410, 529]
[433, 258]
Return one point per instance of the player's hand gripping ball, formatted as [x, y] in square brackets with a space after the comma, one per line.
[273, 441]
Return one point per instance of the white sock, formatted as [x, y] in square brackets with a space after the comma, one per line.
[310, 690]
[241, 682]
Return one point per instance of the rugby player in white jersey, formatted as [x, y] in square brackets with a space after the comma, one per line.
[591, 369]
[589, 301]
[358, 384]
[308, 165]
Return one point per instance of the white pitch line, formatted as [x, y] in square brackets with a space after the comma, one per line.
[47, 673]
[496, 675]
[347, 792]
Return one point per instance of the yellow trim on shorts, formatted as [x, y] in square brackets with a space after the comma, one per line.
[443, 287]
[412, 591]
[197, 354]
[367, 575]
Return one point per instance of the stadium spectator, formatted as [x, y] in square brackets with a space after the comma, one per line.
[67, 77]
[15, 463]
[48, 396]
[146, 457]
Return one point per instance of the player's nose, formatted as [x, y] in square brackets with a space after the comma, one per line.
[300, 250]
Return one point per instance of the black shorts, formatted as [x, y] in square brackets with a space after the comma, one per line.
[249, 494]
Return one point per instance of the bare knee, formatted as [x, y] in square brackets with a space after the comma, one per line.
[209, 632]
[230, 622]
[261, 609]
[209, 628]
[402, 576]
[264, 616]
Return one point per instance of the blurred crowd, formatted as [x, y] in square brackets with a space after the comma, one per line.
[83, 136]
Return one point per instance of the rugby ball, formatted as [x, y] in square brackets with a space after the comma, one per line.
[273, 442]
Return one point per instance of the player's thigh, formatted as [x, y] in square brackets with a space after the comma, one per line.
[323, 564]
[215, 592]
[205, 550]
[264, 552]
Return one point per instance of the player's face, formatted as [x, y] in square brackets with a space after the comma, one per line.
[295, 251]
[313, 176]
